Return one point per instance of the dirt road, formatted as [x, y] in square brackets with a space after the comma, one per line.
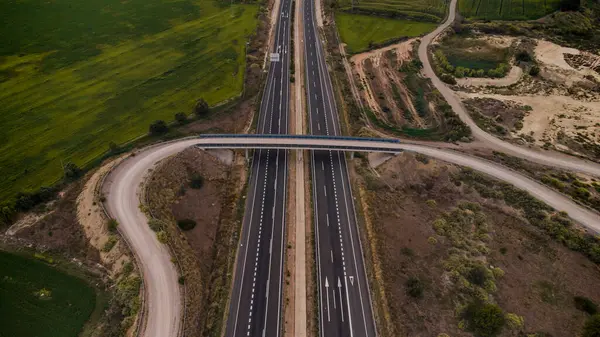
[546, 158]
[122, 191]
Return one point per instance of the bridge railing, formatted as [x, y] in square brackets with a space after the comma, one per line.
[300, 146]
[285, 136]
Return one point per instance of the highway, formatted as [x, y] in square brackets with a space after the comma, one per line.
[343, 291]
[256, 297]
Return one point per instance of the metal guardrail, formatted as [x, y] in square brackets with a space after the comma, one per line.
[280, 136]
[298, 146]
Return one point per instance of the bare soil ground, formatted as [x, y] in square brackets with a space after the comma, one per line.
[58, 230]
[402, 200]
[383, 89]
[565, 101]
[203, 252]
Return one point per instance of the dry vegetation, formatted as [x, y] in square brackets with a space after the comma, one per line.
[195, 185]
[398, 101]
[446, 239]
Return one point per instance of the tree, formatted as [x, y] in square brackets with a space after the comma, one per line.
[484, 319]
[592, 327]
[113, 147]
[158, 127]
[72, 171]
[181, 118]
[201, 107]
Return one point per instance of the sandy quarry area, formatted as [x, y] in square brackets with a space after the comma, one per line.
[566, 65]
[564, 98]
[553, 114]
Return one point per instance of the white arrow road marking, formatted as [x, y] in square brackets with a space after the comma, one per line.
[352, 280]
[340, 289]
[327, 292]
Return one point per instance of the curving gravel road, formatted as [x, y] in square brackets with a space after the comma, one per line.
[546, 158]
[122, 190]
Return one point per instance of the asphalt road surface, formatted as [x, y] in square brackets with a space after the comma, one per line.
[255, 306]
[344, 299]
[553, 159]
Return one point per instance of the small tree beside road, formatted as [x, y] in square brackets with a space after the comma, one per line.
[158, 128]
[201, 108]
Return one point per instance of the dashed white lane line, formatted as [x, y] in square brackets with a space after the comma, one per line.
[262, 210]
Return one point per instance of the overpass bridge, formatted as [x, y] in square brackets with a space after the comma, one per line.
[298, 142]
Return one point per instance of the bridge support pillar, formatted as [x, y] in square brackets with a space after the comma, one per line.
[247, 156]
[351, 155]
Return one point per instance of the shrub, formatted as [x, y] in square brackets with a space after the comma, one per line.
[407, 251]
[515, 321]
[534, 71]
[72, 171]
[201, 108]
[478, 275]
[484, 319]
[112, 225]
[162, 236]
[414, 287]
[186, 224]
[447, 78]
[592, 327]
[181, 117]
[109, 244]
[155, 225]
[158, 128]
[196, 181]
[523, 56]
[585, 304]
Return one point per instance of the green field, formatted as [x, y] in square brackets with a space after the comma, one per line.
[375, 30]
[66, 306]
[425, 10]
[507, 9]
[76, 75]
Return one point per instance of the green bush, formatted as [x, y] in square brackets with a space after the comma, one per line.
[414, 287]
[592, 327]
[201, 107]
[158, 127]
[155, 225]
[534, 71]
[181, 118]
[186, 224]
[109, 244]
[484, 319]
[112, 225]
[585, 304]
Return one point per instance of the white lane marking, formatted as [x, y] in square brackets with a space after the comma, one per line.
[322, 166]
[324, 190]
[327, 292]
[331, 251]
[340, 289]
